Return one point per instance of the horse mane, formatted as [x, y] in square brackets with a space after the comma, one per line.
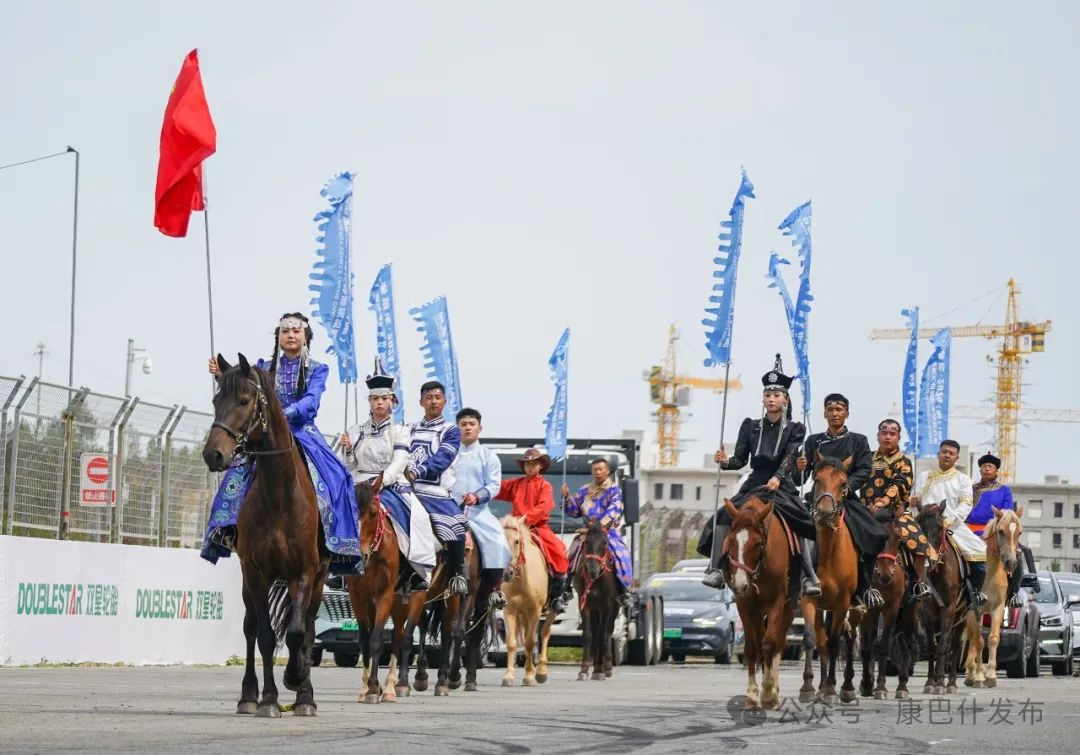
[364, 496]
[829, 462]
[995, 524]
[233, 380]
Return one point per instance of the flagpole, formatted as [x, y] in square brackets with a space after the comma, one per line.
[346, 408]
[719, 467]
[209, 285]
[562, 512]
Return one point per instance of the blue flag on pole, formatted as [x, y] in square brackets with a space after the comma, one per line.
[438, 350]
[934, 394]
[332, 276]
[555, 423]
[720, 314]
[797, 226]
[381, 302]
[910, 389]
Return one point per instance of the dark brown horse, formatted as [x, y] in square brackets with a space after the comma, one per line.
[372, 594]
[944, 622]
[278, 534]
[758, 571]
[480, 624]
[443, 620]
[838, 570]
[594, 582]
[888, 631]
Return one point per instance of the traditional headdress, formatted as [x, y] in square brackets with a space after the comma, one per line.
[291, 321]
[775, 379]
[379, 382]
[990, 459]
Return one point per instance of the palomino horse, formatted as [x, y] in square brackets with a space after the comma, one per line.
[526, 589]
[1001, 536]
[372, 594]
[944, 621]
[838, 569]
[277, 534]
[594, 581]
[758, 565]
[887, 631]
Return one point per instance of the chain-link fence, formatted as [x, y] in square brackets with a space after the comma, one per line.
[668, 535]
[82, 465]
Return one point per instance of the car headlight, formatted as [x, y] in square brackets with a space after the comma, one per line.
[1051, 621]
[707, 621]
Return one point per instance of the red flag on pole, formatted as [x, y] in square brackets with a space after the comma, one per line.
[187, 138]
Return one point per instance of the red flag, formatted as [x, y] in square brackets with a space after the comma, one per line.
[187, 138]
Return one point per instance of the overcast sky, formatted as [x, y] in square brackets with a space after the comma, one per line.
[554, 164]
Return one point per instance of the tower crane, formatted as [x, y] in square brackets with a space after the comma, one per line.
[1018, 337]
[670, 391]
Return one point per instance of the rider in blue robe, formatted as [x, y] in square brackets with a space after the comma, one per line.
[299, 382]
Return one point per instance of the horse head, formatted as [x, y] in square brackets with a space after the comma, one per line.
[372, 521]
[1006, 528]
[830, 488]
[594, 548]
[745, 545]
[885, 563]
[931, 519]
[516, 531]
[245, 399]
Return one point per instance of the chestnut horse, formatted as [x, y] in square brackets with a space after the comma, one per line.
[278, 534]
[838, 570]
[1002, 539]
[526, 589]
[757, 569]
[888, 631]
[594, 581]
[372, 594]
[945, 621]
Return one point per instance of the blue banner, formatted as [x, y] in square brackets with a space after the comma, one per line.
[934, 395]
[910, 390]
[332, 275]
[438, 350]
[797, 227]
[381, 302]
[555, 423]
[720, 314]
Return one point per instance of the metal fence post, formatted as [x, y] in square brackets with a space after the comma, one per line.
[4, 471]
[165, 440]
[17, 424]
[119, 518]
[69, 442]
[114, 426]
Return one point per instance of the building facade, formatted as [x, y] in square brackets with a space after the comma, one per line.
[1051, 520]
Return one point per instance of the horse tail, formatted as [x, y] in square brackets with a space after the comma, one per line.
[280, 609]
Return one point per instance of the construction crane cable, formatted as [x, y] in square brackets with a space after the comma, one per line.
[996, 289]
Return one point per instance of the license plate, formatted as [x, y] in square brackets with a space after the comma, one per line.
[349, 626]
[674, 633]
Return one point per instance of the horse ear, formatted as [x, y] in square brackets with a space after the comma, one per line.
[818, 458]
[847, 464]
[1020, 512]
[730, 507]
[244, 365]
[997, 512]
[223, 366]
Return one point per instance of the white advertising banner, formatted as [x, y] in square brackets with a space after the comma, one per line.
[64, 602]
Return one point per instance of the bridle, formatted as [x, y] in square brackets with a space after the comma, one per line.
[828, 518]
[380, 528]
[753, 574]
[259, 418]
[519, 560]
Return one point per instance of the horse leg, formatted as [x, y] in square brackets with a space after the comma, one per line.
[545, 636]
[752, 653]
[295, 639]
[249, 688]
[806, 692]
[973, 663]
[942, 651]
[531, 624]
[821, 630]
[992, 642]
[510, 621]
[609, 659]
[448, 635]
[268, 705]
[881, 655]
[868, 652]
[847, 690]
[404, 650]
[601, 644]
[420, 680]
[956, 639]
[836, 625]
[586, 643]
[772, 649]
[380, 613]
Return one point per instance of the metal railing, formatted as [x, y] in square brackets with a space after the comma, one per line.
[160, 489]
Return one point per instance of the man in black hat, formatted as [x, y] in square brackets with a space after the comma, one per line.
[988, 494]
[770, 444]
[837, 442]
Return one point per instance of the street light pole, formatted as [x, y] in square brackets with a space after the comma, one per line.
[134, 352]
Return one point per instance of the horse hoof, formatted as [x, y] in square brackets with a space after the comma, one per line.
[420, 685]
[470, 687]
[902, 694]
[599, 676]
[939, 691]
[527, 682]
[751, 704]
[270, 710]
[882, 694]
[608, 673]
[390, 696]
[304, 709]
[806, 696]
[370, 699]
[990, 681]
[402, 690]
[831, 700]
[969, 681]
[582, 677]
[246, 708]
[847, 695]
[928, 689]
[950, 690]
[508, 682]
[541, 678]
[441, 690]
[455, 683]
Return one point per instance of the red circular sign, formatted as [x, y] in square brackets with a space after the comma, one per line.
[97, 470]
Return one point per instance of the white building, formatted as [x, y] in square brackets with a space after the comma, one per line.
[1051, 521]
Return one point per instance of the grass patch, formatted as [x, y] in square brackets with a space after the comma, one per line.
[564, 655]
[45, 663]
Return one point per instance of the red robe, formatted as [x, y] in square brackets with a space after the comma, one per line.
[533, 499]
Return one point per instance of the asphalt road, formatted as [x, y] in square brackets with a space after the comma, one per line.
[665, 709]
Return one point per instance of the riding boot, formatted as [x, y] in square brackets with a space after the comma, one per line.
[557, 593]
[976, 577]
[497, 598]
[810, 584]
[224, 536]
[714, 575]
[921, 589]
[409, 579]
[455, 561]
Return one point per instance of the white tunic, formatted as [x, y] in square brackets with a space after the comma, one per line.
[384, 449]
[953, 487]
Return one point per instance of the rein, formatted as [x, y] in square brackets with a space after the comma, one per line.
[380, 527]
[519, 561]
[754, 573]
[605, 567]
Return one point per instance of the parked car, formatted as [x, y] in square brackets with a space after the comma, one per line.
[698, 620]
[1055, 625]
[1018, 648]
[695, 565]
[1070, 586]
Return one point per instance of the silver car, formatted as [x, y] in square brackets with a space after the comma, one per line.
[1055, 626]
[1070, 587]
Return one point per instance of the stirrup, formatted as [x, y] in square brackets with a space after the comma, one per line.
[459, 585]
[1016, 601]
[497, 600]
[714, 579]
[872, 598]
[809, 587]
[920, 591]
[978, 599]
[224, 536]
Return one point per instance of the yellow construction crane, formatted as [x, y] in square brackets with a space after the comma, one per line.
[671, 391]
[1019, 338]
